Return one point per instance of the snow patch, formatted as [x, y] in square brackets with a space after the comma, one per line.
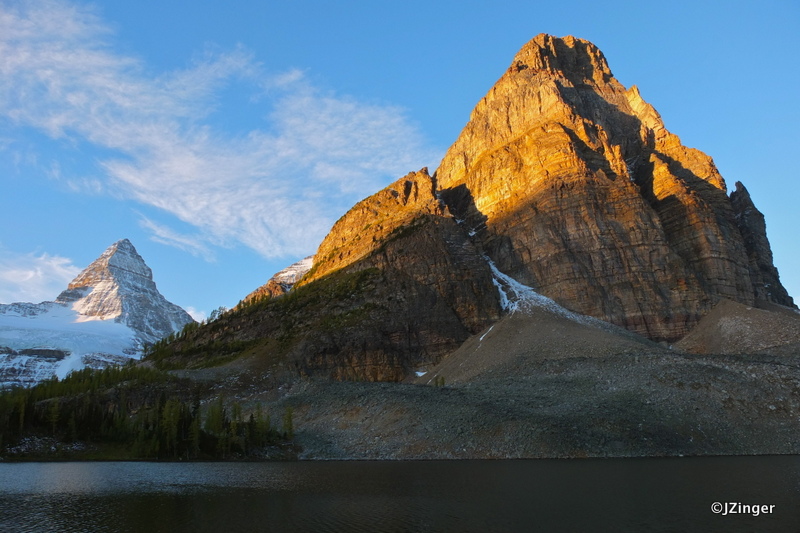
[292, 274]
[514, 296]
[29, 340]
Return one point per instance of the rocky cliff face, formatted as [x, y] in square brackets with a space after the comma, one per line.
[372, 221]
[763, 274]
[574, 186]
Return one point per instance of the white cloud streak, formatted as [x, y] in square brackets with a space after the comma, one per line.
[34, 278]
[165, 235]
[276, 189]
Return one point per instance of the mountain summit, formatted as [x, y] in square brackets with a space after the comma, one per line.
[564, 189]
[119, 285]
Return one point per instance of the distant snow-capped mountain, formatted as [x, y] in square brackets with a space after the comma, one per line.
[119, 285]
[283, 281]
[107, 314]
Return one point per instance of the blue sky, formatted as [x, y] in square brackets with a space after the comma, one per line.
[224, 139]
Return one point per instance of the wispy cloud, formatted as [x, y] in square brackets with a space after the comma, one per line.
[275, 189]
[33, 278]
[165, 235]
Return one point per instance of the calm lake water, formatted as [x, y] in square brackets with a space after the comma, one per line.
[633, 495]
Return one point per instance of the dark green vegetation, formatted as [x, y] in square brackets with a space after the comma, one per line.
[281, 333]
[262, 324]
[134, 412]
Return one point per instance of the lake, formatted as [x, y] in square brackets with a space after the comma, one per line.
[626, 495]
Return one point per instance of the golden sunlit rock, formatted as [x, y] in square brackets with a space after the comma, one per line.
[575, 187]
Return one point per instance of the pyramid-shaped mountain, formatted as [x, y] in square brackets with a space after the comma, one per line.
[563, 182]
[108, 313]
[119, 285]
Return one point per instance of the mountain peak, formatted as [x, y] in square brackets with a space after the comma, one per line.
[105, 316]
[564, 185]
[118, 261]
[283, 281]
[576, 188]
[119, 285]
[124, 246]
[576, 59]
[367, 224]
[763, 274]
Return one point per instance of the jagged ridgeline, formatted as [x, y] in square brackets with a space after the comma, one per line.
[566, 181]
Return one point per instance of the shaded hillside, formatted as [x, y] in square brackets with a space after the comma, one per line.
[544, 382]
[603, 406]
[132, 412]
[407, 299]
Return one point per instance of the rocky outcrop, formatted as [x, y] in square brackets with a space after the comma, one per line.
[430, 291]
[573, 185]
[374, 220]
[435, 289]
[763, 274]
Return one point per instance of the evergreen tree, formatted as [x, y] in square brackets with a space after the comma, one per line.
[53, 415]
[288, 422]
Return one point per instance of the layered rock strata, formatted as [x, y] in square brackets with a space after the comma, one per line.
[374, 220]
[432, 287]
[574, 186]
[564, 181]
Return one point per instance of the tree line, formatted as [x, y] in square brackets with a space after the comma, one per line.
[150, 413]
